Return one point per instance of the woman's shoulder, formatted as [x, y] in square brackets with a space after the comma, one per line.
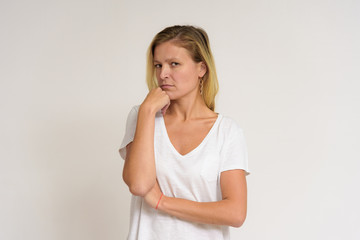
[230, 132]
[229, 123]
[133, 111]
[135, 108]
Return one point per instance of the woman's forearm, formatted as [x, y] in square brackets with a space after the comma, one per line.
[230, 211]
[224, 212]
[139, 169]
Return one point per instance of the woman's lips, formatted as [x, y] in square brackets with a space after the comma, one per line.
[166, 86]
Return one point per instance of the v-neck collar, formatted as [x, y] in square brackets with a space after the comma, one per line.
[196, 148]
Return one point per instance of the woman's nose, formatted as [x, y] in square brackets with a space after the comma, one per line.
[164, 72]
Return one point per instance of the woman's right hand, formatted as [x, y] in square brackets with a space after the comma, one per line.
[157, 99]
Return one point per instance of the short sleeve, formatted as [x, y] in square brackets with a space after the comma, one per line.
[234, 150]
[129, 131]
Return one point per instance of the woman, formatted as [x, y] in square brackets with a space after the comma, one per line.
[184, 163]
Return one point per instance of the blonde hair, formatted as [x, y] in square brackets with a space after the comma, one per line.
[196, 41]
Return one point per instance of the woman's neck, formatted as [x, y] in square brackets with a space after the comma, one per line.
[188, 108]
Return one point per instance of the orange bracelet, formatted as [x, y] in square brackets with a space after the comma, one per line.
[159, 201]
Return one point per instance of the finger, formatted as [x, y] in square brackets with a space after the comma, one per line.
[163, 110]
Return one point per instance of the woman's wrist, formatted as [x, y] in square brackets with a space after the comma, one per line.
[157, 205]
[147, 110]
[162, 204]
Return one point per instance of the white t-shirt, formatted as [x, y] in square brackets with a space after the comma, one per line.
[194, 176]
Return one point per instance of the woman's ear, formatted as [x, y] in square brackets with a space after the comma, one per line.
[203, 69]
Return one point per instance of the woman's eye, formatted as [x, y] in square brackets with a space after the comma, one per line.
[174, 64]
[157, 65]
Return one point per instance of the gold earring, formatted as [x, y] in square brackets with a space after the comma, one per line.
[201, 85]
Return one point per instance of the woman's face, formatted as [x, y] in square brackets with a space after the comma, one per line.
[176, 72]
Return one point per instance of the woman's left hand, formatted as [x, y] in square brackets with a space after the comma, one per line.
[153, 196]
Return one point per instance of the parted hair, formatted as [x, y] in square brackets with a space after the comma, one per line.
[196, 42]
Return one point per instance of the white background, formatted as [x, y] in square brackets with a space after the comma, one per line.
[70, 71]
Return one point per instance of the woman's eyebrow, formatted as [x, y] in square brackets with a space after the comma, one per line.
[167, 60]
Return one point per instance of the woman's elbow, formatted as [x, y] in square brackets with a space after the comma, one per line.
[139, 189]
[237, 223]
[238, 220]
